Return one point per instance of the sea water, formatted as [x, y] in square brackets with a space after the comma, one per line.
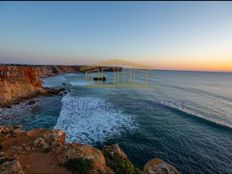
[184, 118]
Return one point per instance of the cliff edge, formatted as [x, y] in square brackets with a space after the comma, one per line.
[19, 82]
[41, 151]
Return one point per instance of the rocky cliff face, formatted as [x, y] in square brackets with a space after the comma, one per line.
[45, 151]
[23, 82]
[18, 82]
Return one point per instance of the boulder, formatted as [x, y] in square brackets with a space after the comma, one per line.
[17, 129]
[55, 139]
[9, 130]
[158, 166]
[11, 167]
[40, 143]
[117, 160]
[54, 136]
[31, 102]
[78, 151]
[115, 150]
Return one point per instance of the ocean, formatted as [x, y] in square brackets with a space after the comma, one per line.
[184, 118]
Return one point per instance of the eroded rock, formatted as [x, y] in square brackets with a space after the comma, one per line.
[11, 167]
[77, 151]
[40, 143]
[50, 148]
[117, 160]
[158, 166]
[115, 150]
[10, 130]
[54, 136]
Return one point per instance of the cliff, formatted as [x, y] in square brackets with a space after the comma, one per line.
[19, 82]
[41, 151]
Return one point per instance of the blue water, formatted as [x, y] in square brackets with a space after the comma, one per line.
[184, 118]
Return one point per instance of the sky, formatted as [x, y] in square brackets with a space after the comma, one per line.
[164, 35]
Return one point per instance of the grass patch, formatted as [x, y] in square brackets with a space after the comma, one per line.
[79, 166]
[118, 165]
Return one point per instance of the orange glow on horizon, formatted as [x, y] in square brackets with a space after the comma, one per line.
[223, 65]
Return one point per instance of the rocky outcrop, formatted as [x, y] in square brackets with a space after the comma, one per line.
[9, 130]
[17, 83]
[45, 151]
[117, 160]
[20, 82]
[78, 151]
[158, 166]
[11, 167]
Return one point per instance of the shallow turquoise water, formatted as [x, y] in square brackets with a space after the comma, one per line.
[184, 118]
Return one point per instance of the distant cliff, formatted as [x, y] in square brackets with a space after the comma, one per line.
[18, 82]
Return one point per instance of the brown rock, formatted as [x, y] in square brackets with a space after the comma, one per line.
[74, 151]
[40, 143]
[158, 166]
[2, 154]
[11, 167]
[17, 129]
[117, 160]
[10, 130]
[115, 150]
[4, 129]
[52, 136]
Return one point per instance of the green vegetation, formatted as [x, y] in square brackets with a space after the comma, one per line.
[119, 165]
[100, 171]
[79, 165]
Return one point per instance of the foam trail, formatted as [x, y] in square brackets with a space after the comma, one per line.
[90, 120]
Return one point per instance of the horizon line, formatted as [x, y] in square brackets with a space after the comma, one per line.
[153, 69]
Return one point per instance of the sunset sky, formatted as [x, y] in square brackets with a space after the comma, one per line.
[164, 35]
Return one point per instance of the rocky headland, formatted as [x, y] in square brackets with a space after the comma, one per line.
[41, 151]
[44, 151]
[20, 82]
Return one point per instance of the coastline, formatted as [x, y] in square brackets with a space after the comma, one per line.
[20, 150]
[45, 151]
[22, 82]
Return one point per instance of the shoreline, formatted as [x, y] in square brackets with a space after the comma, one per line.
[23, 82]
[20, 150]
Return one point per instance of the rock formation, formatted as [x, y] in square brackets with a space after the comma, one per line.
[19, 82]
[158, 166]
[45, 151]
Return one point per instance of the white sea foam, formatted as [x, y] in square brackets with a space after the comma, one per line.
[90, 120]
[80, 83]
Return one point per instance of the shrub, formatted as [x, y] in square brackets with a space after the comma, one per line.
[79, 165]
[118, 165]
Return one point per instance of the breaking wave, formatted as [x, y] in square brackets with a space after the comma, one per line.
[91, 120]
